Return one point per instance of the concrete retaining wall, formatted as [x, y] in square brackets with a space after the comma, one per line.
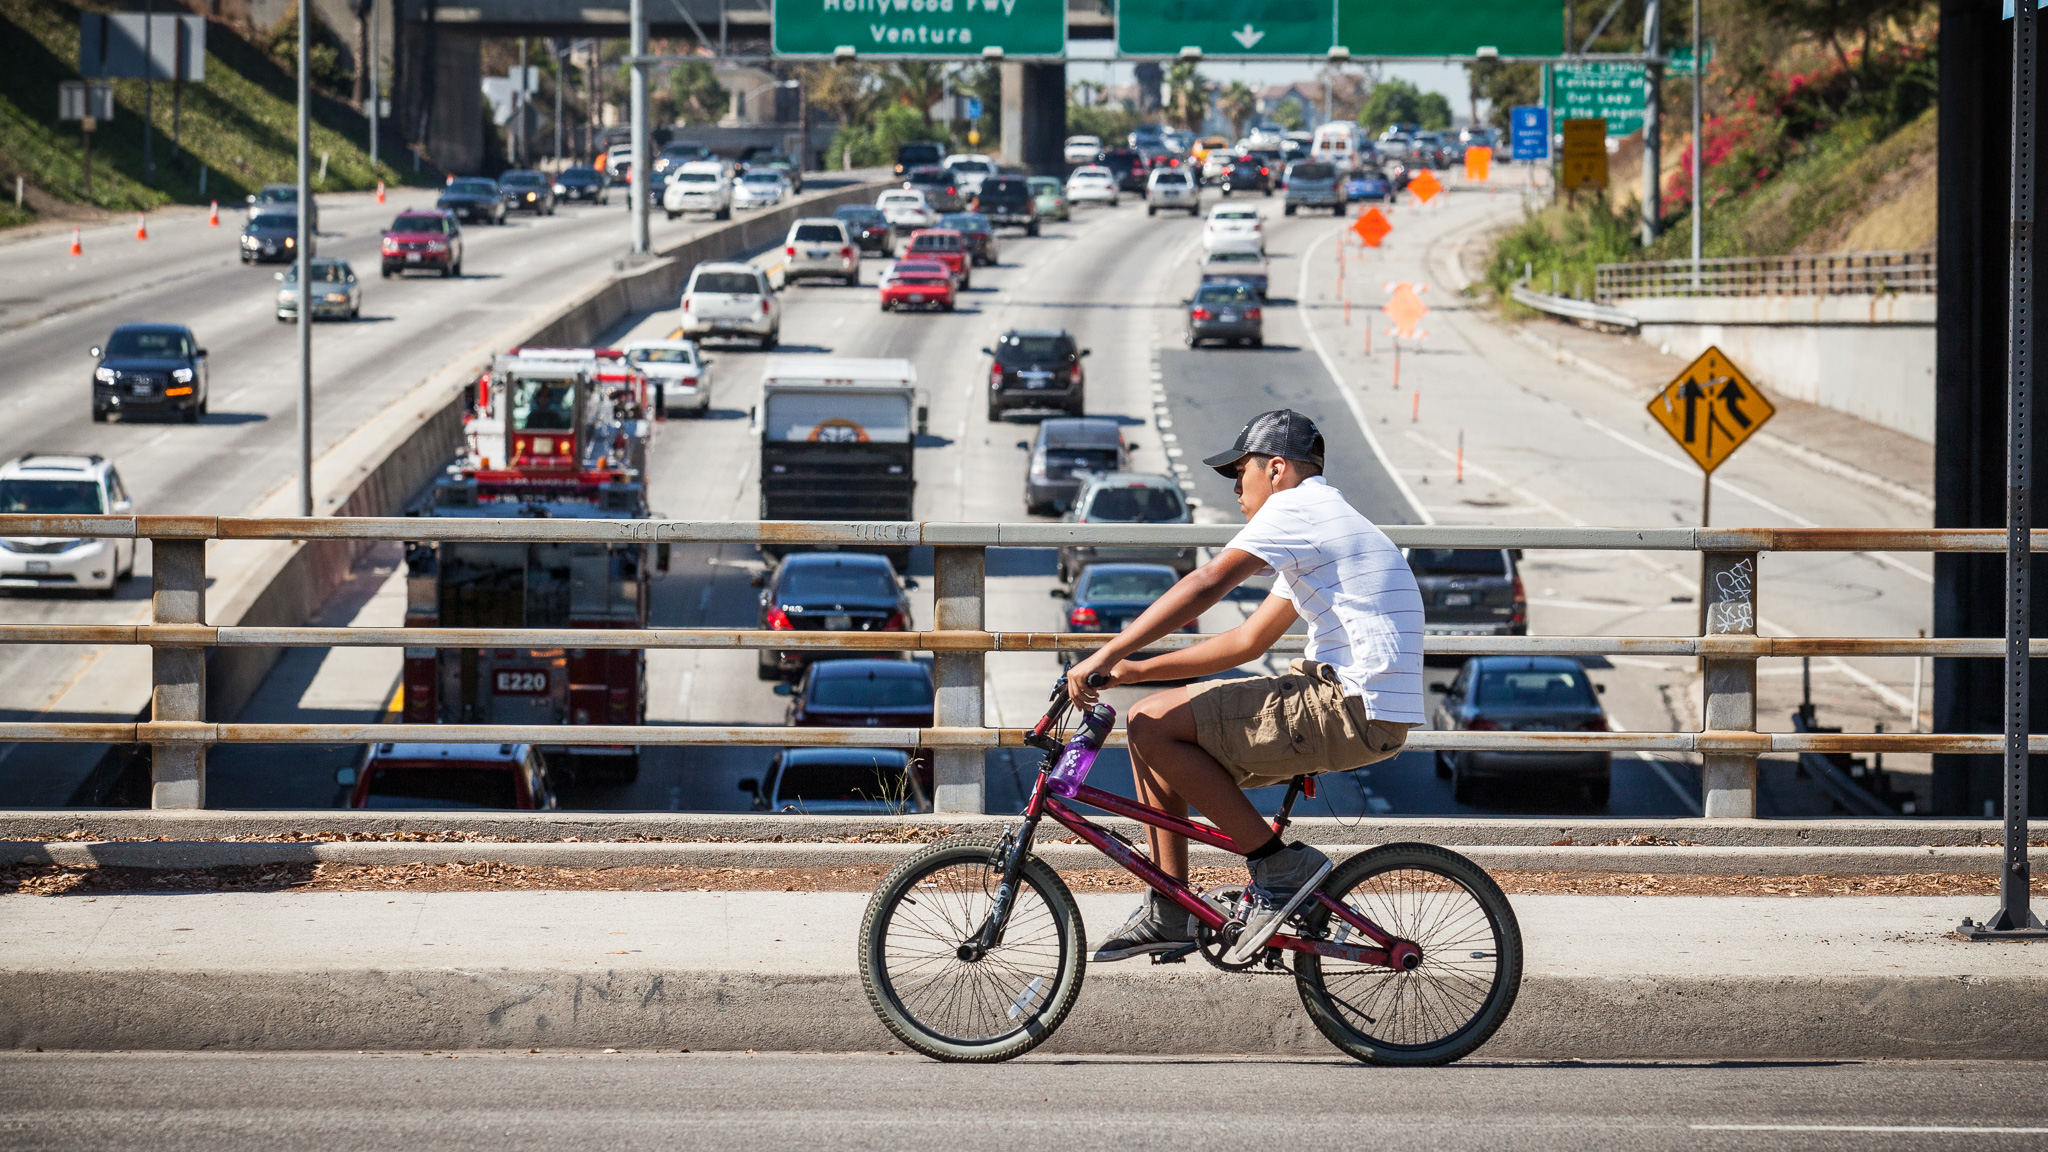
[1194, 1010]
[1869, 356]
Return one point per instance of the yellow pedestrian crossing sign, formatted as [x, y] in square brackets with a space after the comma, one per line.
[1710, 409]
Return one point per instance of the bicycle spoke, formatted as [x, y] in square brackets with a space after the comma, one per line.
[1447, 991]
[970, 1000]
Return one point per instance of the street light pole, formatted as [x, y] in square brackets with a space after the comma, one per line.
[376, 93]
[1699, 69]
[304, 266]
[638, 188]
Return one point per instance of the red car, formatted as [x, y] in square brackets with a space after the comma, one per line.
[423, 240]
[917, 284]
[946, 246]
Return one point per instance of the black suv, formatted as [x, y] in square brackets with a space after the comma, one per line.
[1036, 368]
[152, 369]
[917, 154]
[1008, 200]
[1127, 165]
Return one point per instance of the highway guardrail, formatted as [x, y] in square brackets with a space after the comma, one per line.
[1728, 645]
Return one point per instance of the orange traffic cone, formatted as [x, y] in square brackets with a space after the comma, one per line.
[77, 249]
[141, 226]
[213, 215]
[380, 191]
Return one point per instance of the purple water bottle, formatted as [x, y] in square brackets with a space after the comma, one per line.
[1071, 772]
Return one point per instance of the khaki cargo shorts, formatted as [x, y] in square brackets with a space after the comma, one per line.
[1267, 730]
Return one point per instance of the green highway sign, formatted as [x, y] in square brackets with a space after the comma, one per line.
[1507, 27]
[1225, 27]
[911, 28]
[1680, 61]
[1592, 91]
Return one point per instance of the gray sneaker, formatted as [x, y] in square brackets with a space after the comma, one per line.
[1159, 925]
[1280, 883]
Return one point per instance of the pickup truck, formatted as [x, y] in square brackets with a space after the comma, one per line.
[1008, 200]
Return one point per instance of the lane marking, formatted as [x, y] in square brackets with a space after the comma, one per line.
[1937, 1128]
[1351, 401]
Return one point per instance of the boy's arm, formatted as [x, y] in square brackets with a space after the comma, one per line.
[1247, 641]
[1193, 595]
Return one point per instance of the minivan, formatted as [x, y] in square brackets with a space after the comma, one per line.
[1065, 450]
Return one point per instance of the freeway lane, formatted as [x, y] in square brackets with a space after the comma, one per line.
[246, 448]
[226, 1102]
[1115, 278]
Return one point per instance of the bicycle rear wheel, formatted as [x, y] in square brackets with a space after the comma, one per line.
[1471, 957]
[998, 1006]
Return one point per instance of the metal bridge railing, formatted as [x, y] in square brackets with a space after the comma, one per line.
[1729, 647]
[1835, 274]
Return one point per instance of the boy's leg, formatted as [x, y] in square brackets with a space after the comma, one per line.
[1172, 772]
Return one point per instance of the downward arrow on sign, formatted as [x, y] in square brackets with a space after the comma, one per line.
[1248, 36]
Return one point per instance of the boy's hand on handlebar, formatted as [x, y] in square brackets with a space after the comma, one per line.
[1089, 677]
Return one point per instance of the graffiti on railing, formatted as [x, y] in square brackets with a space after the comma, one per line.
[1732, 610]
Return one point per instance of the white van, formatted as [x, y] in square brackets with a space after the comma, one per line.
[1340, 143]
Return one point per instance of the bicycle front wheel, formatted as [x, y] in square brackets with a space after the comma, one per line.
[927, 991]
[1471, 966]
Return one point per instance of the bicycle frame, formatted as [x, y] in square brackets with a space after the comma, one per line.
[1390, 953]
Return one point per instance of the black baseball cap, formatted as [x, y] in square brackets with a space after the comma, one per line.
[1282, 432]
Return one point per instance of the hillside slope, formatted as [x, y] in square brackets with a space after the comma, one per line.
[239, 124]
[1840, 158]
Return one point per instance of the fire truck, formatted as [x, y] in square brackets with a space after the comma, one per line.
[555, 433]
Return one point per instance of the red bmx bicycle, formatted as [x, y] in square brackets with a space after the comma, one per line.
[973, 949]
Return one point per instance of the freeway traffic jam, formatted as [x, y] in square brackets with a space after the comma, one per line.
[773, 390]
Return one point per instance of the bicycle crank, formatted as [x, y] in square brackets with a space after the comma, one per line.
[1214, 943]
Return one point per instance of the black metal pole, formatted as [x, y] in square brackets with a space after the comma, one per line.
[2015, 919]
[148, 91]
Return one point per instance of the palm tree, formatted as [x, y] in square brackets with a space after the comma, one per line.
[1239, 104]
[1187, 95]
[918, 84]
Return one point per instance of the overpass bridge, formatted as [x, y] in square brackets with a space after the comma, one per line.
[436, 49]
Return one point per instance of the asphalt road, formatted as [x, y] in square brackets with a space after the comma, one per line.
[215, 1102]
[55, 307]
[1113, 277]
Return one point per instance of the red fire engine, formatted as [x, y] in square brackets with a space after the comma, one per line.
[557, 432]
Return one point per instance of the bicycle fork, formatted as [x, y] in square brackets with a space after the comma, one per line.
[1018, 846]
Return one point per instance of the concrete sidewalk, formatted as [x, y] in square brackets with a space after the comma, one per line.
[1679, 977]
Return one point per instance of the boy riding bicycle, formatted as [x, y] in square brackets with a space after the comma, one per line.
[1348, 704]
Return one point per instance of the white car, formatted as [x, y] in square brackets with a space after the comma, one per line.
[681, 379]
[1215, 162]
[970, 169]
[733, 300]
[63, 484]
[760, 189]
[1093, 184]
[1234, 228]
[1172, 188]
[819, 246]
[905, 209]
[698, 187]
[1082, 149]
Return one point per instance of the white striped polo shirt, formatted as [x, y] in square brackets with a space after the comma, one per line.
[1353, 588]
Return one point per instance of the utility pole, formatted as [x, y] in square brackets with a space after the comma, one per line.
[376, 91]
[561, 55]
[149, 90]
[519, 109]
[1653, 119]
[638, 188]
[304, 265]
[1699, 69]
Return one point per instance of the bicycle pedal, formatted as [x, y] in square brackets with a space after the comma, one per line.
[1177, 956]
